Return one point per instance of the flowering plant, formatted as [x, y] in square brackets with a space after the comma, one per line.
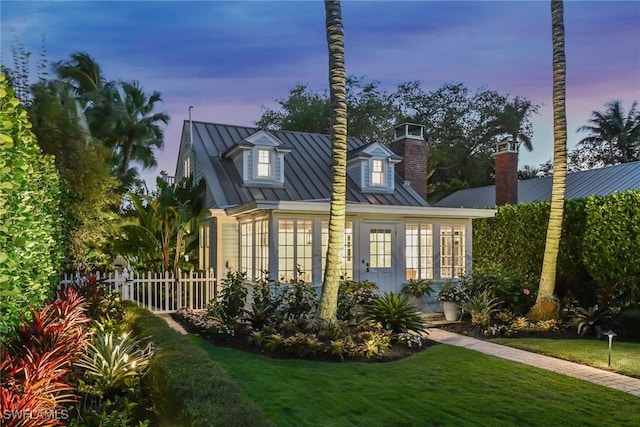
[451, 292]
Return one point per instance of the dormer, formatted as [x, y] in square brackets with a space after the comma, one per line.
[259, 159]
[372, 166]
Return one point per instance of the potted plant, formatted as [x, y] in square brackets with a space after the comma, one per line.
[451, 296]
[415, 289]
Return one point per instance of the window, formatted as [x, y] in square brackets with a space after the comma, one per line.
[419, 254]
[187, 166]
[246, 248]
[295, 240]
[377, 172]
[264, 164]
[452, 250]
[347, 254]
[262, 248]
[380, 248]
[203, 248]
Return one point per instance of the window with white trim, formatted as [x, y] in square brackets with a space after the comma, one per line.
[295, 240]
[262, 248]
[187, 166]
[246, 248]
[377, 172]
[346, 266]
[452, 250]
[419, 251]
[264, 164]
[203, 247]
[380, 248]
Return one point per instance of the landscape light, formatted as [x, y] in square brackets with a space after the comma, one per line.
[610, 334]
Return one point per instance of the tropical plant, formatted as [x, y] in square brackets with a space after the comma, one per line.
[512, 122]
[328, 306]
[546, 305]
[590, 320]
[614, 136]
[395, 313]
[299, 299]
[481, 307]
[373, 344]
[112, 358]
[418, 287]
[35, 366]
[449, 291]
[155, 230]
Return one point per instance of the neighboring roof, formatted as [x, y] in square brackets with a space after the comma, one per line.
[599, 182]
[307, 171]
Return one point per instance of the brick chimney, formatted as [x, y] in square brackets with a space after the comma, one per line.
[506, 158]
[409, 143]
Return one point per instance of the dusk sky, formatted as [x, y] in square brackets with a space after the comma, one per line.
[228, 59]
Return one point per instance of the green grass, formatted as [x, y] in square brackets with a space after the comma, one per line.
[625, 356]
[442, 386]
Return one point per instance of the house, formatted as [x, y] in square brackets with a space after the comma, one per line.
[508, 189]
[268, 195]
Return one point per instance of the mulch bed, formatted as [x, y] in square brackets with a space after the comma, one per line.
[241, 342]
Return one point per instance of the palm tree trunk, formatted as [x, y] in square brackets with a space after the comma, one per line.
[338, 105]
[546, 306]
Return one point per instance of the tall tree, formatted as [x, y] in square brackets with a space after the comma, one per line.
[338, 103]
[60, 129]
[613, 136]
[512, 122]
[546, 306]
[128, 124]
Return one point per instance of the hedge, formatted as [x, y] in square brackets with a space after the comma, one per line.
[598, 256]
[31, 236]
[186, 387]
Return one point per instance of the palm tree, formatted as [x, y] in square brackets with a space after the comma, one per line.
[614, 137]
[83, 74]
[546, 306]
[338, 107]
[512, 122]
[126, 122]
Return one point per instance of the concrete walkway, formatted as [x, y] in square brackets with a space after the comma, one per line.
[586, 373]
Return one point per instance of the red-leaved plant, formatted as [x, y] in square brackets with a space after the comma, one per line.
[35, 366]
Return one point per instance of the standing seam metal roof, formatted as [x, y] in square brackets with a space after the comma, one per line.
[598, 182]
[307, 169]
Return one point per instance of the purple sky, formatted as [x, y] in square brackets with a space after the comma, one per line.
[228, 59]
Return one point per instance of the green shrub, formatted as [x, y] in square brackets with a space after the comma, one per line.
[233, 298]
[630, 320]
[31, 236]
[612, 245]
[186, 387]
[352, 296]
[395, 313]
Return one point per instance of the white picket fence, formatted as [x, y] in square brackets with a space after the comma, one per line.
[158, 292]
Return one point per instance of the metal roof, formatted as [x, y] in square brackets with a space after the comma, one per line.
[307, 169]
[598, 182]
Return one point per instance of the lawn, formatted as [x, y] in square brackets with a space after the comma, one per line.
[625, 356]
[441, 386]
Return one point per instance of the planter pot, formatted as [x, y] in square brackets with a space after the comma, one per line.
[451, 310]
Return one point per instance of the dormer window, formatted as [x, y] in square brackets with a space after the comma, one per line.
[259, 159]
[372, 166]
[264, 164]
[377, 172]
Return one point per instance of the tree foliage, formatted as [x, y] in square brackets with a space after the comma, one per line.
[155, 229]
[83, 162]
[613, 137]
[461, 125]
[30, 215]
